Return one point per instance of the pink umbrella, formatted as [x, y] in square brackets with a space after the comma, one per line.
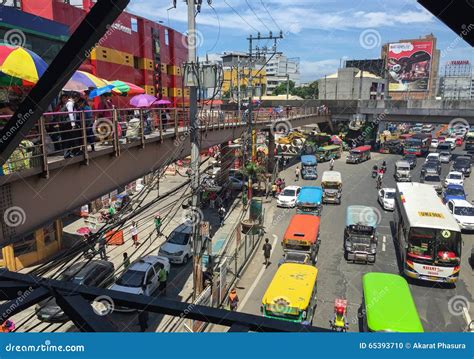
[162, 102]
[142, 100]
[84, 230]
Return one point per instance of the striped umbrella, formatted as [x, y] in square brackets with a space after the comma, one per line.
[82, 81]
[123, 87]
[20, 64]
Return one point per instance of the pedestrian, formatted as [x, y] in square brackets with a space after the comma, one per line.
[126, 261]
[297, 173]
[331, 164]
[233, 300]
[7, 326]
[212, 199]
[102, 244]
[158, 224]
[162, 277]
[143, 320]
[221, 213]
[274, 190]
[227, 196]
[112, 210]
[134, 232]
[267, 250]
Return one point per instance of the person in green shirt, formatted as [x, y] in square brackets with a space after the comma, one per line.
[158, 224]
[163, 277]
[112, 210]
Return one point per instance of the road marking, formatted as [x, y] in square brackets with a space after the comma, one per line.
[383, 243]
[259, 276]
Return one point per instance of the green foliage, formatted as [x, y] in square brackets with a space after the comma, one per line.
[306, 92]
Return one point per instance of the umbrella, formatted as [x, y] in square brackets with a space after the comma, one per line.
[82, 81]
[20, 63]
[122, 87]
[142, 100]
[162, 102]
[100, 91]
[84, 230]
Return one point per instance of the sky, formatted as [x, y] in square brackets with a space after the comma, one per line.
[321, 33]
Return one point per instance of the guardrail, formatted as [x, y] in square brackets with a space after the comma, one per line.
[62, 135]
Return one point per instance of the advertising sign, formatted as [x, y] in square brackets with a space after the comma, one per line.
[409, 65]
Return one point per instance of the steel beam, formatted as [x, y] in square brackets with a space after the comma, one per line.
[23, 302]
[69, 58]
[13, 289]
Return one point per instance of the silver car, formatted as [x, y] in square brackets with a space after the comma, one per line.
[445, 157]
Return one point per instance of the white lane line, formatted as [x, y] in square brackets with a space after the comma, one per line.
[259, 276]
[383, 243]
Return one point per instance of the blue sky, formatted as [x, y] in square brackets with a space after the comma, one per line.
[320, 32]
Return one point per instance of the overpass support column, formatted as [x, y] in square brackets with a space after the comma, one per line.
[227, 159]
[271, 152]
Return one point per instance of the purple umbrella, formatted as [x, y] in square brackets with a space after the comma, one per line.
[142, 100]
[162, 102]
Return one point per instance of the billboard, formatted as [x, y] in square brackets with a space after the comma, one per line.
[409, 65]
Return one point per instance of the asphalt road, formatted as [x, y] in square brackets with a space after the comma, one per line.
[340, 279]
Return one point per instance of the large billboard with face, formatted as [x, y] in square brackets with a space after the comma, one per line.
[409, 65]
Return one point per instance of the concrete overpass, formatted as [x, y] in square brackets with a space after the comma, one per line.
[58, 186]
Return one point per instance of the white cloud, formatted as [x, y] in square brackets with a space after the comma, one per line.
[313, 70]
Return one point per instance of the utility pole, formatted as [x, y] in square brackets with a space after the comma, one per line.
[194, 137]
[287, 83]
[238, 89]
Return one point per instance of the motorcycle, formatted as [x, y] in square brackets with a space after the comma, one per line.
[339, 323]
[375, 171]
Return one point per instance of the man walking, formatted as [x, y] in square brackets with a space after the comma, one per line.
[221, 213]
[297, 173]
[233, 300]
[102, 244]
[158, 224]
[267, 250]
[162, 277]
[134, 232]
[126, 261]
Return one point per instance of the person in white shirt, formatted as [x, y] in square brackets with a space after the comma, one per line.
[134, 232]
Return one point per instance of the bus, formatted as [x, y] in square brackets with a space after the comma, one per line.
[291, 295]
[429, 237]
[308, 167]
[418, 144]
[302, 234]
[309, 200]
[388, 305]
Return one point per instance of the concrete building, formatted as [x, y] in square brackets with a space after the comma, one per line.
[374, 66]
[277, 70]
[351, 84]
[457, 81]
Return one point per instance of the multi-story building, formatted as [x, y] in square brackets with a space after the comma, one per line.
[374, 66]
[457, 81]
[351, 84]
[134, 49]
[279, 69]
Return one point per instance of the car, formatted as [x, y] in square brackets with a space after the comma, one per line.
[441, 139]
[459, 141]
[141, 277]
[451, 141]
[178, 246]
[454, 177]
[295, 257]
[236, 183]
[433, 179]
[431, 166]
[445, 157]
[287, 197]
[96, 273]
[386, 198]
[463, 164]
[443, 147]
[453, 191]
[463, 213]
[411, 159]
[432, 157]
[434, 143]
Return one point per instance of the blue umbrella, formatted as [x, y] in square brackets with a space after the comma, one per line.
[100, 91]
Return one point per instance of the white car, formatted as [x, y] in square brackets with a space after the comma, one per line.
[287, 197]
[178, 246]
[434, 143]
[444, 157]
[141, 277]
[463, 213]
[454, 177]
[432, 157]
[386, 198]
[452, 142]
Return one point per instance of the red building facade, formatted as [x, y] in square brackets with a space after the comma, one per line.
[134, 49]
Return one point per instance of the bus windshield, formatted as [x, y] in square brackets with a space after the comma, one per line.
[429, 244]
[281, 311]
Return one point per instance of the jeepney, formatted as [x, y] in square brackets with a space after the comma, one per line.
[402, 171]
[360, 239]
[359, 154]
[331, 184]
[302, 235]
[325, 153]
[309, 200]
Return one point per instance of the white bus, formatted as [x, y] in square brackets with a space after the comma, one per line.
[429, 237]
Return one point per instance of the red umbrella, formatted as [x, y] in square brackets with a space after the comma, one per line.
[84, 230]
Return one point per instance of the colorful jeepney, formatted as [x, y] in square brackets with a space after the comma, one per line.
[358, 154]
[302, 235]
[331, 182]
[325, 153]
[309, 200]
[360, 237]
[309, 167]
[291, 295]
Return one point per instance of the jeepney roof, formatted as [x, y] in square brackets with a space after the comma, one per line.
[402, 164]
[331, 147]
[293, 285]
[331, 176]
[389, 304]
[310, 194]
[308, 159]
[362, 215]
[423, 207]
[304, 227]
[361, 149]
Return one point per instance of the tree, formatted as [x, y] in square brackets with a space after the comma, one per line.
[305, 92]
[281, 88]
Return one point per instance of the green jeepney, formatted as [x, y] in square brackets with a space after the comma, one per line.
[325, 153]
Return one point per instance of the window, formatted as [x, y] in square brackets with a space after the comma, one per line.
[14, 3]
[49, 234]
[167, 40]
[134, 24]
[27, 245]
[136, 63]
